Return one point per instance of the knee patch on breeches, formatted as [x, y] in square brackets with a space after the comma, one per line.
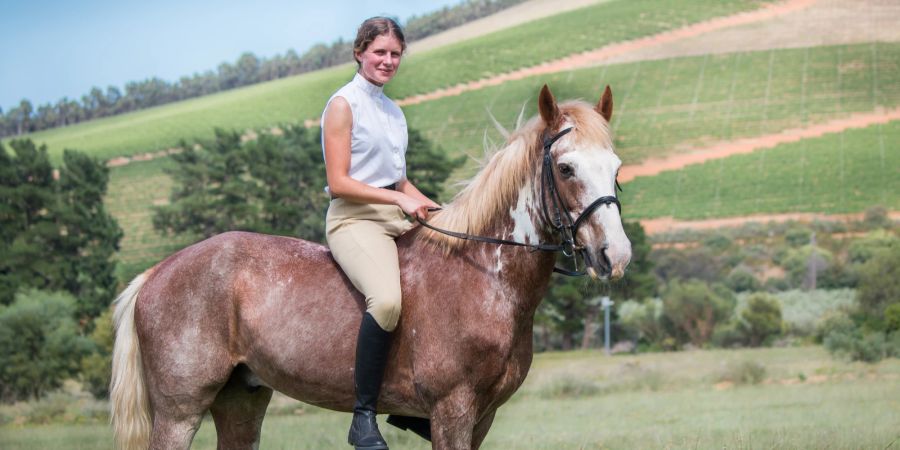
[385, 309]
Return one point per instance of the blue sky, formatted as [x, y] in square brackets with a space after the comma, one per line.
[53, 48]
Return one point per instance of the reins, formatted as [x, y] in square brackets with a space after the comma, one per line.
[568, 231]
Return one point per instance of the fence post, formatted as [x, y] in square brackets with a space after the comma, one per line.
[606, 303]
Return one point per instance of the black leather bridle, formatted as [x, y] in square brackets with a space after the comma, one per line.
[560, 219]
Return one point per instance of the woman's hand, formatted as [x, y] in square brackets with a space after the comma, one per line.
[413, 207]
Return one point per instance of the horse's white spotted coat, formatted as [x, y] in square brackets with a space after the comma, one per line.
[524, 230]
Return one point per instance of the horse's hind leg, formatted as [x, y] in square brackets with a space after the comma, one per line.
[238, 411]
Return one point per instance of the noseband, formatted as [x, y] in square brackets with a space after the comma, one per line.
[560, 220]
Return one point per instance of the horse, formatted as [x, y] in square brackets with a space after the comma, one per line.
[222, 323]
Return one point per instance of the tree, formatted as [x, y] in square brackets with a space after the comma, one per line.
[761, 319]
[89, 235]
[28, 196]
[57, 234]
[272, 184]
[23, 117]
[39, 344]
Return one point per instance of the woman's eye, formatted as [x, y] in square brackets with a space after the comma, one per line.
[566, 170]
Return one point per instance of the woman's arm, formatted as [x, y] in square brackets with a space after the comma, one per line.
[337, 128]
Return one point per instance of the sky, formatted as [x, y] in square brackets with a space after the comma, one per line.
[61, 48]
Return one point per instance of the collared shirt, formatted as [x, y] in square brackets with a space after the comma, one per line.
[378, 136]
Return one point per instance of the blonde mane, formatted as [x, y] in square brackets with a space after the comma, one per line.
[490, 194]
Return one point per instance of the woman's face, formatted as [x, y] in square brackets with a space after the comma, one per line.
[381, 59]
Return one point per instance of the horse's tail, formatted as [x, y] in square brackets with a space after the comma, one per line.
[130, 414]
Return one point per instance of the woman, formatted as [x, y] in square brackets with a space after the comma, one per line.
[364, 142]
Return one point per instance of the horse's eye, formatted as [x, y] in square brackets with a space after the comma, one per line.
[566, 170]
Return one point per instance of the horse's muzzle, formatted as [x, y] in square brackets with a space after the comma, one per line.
[607, 263]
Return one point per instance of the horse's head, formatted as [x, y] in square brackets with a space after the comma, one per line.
[582, 183]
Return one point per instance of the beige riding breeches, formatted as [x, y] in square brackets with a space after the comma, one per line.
[361, 237]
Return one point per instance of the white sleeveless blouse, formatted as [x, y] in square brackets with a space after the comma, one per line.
[378, 136]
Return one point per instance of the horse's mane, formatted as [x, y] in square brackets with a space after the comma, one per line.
[490, 194]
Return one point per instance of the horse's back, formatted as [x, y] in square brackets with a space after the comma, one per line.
[247, 292]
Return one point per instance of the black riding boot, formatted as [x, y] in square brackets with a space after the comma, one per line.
[371, 355]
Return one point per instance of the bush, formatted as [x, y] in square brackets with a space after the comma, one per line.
[761, 319]
[797, 236]
[744, 372]
[801, 263]
[863, 249]
[694, 308]
[857, 346]
[96, 368]
[728, 335]
[568, 386]
[879, 282]
[742, 279]
[835, 322]
[39, 344]
[642, 320]
[892, 318]
[803, 311]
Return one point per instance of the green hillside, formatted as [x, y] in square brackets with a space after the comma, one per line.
[662, 107]
[668, 106]
[836, 173]
[303, 97]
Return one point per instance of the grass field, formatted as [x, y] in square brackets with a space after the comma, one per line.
[837, 173]
[302, 97]
[587, 400]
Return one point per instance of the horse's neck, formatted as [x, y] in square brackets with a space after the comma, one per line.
[519, 275]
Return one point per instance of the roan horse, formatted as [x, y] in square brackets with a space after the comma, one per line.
[220, 324]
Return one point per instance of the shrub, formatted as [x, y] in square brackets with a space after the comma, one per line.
[802, 311]
[96, 368]
[568, 386]
[879, 282]
[728, 334]
[693, 308]
[797, 236]
[835, 322]
[744, 372]
[742, 279]
[39, 344]
[877, 217]
[761, 319]
[857, 346]
[863, 249]
[892, 318]
[805, 264]
[642, 320]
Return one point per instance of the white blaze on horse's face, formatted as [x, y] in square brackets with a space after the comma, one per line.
[594, 171]
[586, 168]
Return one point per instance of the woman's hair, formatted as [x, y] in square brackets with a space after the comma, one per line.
[374, 27]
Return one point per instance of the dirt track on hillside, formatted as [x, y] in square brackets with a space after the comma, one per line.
[668, 224]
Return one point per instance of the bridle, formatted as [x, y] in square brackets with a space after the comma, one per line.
[560, 219]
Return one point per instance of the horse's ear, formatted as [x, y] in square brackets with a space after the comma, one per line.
[547, 107]
[604, 106]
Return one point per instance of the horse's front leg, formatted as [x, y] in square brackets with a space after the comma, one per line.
[481, 429]
[453, 420]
